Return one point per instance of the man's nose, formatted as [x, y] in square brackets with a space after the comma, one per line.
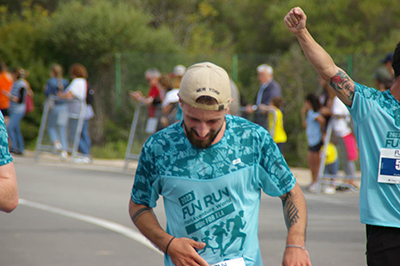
[202, 130]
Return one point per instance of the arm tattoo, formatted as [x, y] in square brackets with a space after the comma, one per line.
[290, 211]
[342, 82]
[139, 213]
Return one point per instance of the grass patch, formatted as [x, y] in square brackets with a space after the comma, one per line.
[111, 150]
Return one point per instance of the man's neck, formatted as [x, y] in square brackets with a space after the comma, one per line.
[395, 89]
[266, 82]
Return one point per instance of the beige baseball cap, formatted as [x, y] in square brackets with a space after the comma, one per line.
[206, 79]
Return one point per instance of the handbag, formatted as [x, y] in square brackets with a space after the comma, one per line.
[30, 105]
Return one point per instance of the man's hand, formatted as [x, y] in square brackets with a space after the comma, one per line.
[136, 95]
[295, 20]
[183, 252]
[249, 109]
[296, 257]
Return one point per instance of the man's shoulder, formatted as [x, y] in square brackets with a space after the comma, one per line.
[170, 134]
[238, 121]
[274, 84]
[240, 126]
[273, 88]
[367, 92]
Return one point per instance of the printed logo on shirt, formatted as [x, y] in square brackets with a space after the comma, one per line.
[392, 139]
[236, 161]
[208, 216]
[222, 233]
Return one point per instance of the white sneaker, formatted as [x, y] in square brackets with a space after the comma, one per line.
[58, 146]
[81, 160]
[64, 155]
[313, 188]
[86, 160]
[329, 190]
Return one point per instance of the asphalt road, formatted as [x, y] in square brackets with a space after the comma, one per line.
[73, 215]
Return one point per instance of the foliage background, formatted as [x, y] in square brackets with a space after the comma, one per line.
[139, 34]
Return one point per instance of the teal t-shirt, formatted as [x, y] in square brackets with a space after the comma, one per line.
[213, 195]
[376, 117]
[5, 156]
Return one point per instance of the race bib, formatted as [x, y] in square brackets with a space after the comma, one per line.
[234, 262]
[389, 166]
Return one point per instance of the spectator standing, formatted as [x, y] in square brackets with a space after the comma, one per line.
[279, 134]
[314, 124]
[377, 125]
[269, 89]
[8, 176]
[153, 100]
[346, 140]
[155, 96]
[85, 143]
[77, 89]
[6, 81]
[17, 110]
[213, 154]
[342, 132]
[57, 118]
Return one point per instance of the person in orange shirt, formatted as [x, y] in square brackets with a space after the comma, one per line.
[6, 82]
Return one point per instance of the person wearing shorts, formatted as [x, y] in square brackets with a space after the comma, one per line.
[314, 122]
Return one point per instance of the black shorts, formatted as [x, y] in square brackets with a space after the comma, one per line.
[383, 246]
[316, 148]
[5, 112]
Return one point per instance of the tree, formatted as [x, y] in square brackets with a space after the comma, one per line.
[344, 26]
[91, 34]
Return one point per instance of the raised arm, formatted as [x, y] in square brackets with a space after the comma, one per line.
[343, 85]
[295, 214]
[181, 250]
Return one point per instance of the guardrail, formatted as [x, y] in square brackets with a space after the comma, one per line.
[74, 127]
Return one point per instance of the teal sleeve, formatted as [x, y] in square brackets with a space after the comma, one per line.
[5, 156]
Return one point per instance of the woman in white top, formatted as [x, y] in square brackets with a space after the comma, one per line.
[77, 89]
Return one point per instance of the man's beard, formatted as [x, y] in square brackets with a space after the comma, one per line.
[201, 144]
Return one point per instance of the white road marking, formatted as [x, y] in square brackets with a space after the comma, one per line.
[121, 229]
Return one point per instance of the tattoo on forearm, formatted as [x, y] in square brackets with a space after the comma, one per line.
[139, 213]
[290, 210]
[342, 82]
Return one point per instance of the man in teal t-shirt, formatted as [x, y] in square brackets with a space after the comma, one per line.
[376, 117]
[211, 169]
